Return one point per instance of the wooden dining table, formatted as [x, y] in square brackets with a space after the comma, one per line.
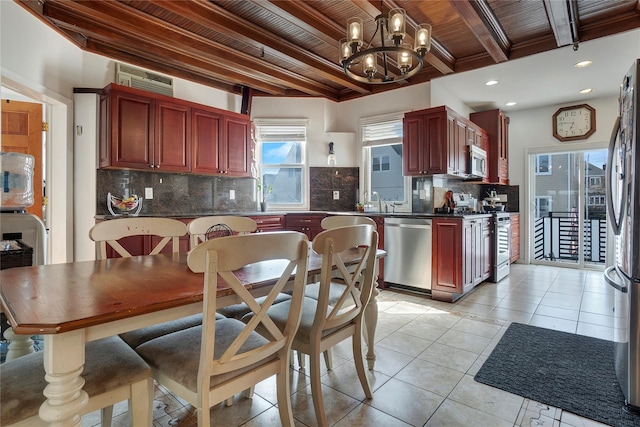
[74, 303]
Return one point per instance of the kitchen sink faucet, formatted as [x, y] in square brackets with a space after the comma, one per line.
[375, 193]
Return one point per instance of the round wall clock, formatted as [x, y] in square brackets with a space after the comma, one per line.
[574, 123]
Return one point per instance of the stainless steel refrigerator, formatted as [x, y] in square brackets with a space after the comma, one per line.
[623, 211]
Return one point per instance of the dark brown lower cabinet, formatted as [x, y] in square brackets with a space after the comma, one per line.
[461, 256]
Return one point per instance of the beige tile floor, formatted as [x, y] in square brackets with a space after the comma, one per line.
[427, 355]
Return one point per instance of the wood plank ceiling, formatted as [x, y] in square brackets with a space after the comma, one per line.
[290, 47]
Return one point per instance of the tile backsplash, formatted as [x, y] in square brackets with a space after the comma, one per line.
[479, 191]
[187, 194]
[325, 181]
[177, 194]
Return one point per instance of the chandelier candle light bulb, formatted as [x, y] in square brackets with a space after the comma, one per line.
[391, 26]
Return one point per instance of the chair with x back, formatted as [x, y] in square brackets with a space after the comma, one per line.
[112, 372]
[211, 227]
[109, 232]
[223, 357]
[324, 325]
[168, 231]
[337, 287]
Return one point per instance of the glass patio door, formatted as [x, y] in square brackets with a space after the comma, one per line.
[569, 218]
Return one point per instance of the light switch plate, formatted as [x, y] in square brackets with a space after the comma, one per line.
[336, 195]
[148, 193]
[232, 194]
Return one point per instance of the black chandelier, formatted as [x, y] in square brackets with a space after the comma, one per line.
[352, 54]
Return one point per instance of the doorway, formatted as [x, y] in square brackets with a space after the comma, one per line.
[569, 216]
[22, 132]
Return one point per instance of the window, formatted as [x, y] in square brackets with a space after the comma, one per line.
[595, 180]
[382, 163]
[543, 164]
[282, 148]
[543, 206]
[596, 200]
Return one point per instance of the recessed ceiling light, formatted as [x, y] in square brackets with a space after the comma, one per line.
[587, 90]
[510, 104]
[491, 83]
[583, 64]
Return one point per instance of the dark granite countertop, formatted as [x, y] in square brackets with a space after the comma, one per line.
[259, 213]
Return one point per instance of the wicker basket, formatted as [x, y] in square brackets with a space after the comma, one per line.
[15, 253]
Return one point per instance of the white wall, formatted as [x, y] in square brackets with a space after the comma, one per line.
[39, 63]
[42, 65]
[532, 131]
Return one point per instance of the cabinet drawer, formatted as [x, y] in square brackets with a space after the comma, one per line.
[303, 220]
[269, 223]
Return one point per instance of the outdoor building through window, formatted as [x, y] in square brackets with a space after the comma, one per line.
[283, 176]
[382, 158]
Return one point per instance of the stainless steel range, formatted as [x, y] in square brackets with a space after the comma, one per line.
[501, 246]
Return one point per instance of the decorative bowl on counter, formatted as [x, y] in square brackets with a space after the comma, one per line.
[124, 206]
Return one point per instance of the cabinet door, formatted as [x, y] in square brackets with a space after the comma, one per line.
[206, 136]
[173, 137]
[457, 148]
[446, 259]
[132, 130]
[503, 163]
[469, 254]
[486, 257]
[412, 145]
[435, 155]
[236, 151]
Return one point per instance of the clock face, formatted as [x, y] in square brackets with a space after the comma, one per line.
[572, 123]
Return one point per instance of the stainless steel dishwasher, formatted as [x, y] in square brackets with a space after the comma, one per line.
[407, 242]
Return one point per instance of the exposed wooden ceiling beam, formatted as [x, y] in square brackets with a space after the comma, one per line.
[439, 57]
[135, 25]
[213, 16]
[477, 15]
[561, 21]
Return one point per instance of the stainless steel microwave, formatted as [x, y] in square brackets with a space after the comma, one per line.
[477, 162]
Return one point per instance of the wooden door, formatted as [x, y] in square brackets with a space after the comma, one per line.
[22, 133]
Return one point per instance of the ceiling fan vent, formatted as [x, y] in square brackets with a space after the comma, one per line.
[141, 79]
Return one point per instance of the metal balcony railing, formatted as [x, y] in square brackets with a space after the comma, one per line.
[556, 238]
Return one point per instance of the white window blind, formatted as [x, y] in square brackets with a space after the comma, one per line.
[276, 133]
[382, 133]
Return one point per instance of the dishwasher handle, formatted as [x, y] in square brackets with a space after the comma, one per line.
[420, 226]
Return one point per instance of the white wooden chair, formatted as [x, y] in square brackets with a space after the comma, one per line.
[169, 231]
[112, 372]
[226, 225]
[324, 325]
[345, 220]
[109, 232]
[337, 288]
[209, 227]
[225, 357]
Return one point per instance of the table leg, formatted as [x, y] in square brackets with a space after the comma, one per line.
[370, 323]
[19, 345]
[63, 363]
